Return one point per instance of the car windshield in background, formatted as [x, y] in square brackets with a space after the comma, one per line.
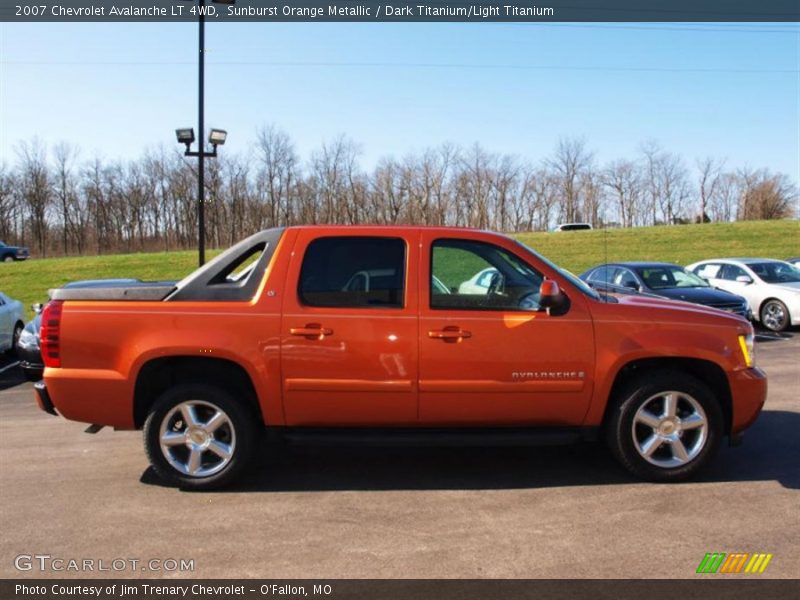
[577, 282]
[776, 272]
[662, 278]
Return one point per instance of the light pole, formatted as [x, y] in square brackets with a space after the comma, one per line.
[215, 138]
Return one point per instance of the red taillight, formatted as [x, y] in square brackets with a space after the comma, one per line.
[50, 333]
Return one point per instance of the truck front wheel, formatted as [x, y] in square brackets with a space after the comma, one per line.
[666, 427]
[198, 437]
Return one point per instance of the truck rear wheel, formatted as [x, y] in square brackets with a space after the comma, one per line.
[199, 437]
[666, 427]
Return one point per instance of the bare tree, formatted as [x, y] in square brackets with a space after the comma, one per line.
[543, 187]
[666, 184]
[708, 184]
[766, 195]
[37, 195]
[506, 187]
[651, 153]
[276, 176]
[623, 178]
[569, 164]
[725, 202]
[8, 204]
[333, 180]
[674, 186]
[150, 203]
[592, 198]
[438, 167]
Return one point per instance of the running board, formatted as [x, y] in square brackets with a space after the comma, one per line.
[496, 436]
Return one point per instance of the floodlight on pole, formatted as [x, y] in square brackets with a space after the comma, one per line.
[216, 138]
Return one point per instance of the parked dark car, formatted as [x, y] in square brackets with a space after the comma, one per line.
[28, 346]
[28, 350]
[12, 253]
[664, 280]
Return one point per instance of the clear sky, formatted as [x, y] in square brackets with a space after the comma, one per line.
[728, 90]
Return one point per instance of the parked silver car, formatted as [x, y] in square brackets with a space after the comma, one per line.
[12, 322]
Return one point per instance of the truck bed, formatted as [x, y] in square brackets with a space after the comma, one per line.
[128, 290]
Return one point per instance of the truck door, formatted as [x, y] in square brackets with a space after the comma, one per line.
[489, 355]
[349, 329]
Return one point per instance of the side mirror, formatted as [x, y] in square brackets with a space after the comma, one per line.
[744, 279]
[552, 298]
[632, 285]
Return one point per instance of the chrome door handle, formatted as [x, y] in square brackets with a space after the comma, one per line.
[312, 331]
[449, 334]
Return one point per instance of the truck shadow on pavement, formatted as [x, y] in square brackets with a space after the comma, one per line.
[769, 453]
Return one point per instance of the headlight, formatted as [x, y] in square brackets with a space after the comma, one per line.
[748, 345]
[27, 340]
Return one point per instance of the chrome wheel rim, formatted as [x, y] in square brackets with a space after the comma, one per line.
[774, 316]
[670, 429]
[197, 438]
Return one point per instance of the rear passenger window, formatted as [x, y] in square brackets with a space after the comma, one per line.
[353, 272]
[731, 272]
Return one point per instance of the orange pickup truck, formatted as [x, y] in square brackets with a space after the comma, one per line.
[395, 334]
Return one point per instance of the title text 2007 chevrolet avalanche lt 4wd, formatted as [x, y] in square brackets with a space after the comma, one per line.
[368, 331]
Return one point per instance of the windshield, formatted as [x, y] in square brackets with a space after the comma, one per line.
[662, 277]
[578, 283]
[776, 272]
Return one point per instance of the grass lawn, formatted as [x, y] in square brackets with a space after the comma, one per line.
[29, 281]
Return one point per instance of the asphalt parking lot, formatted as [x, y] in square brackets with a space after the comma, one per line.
[422, 512]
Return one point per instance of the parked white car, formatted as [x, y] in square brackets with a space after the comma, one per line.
[771, 287]
[478, 283]
[573, 227]
[12, 322]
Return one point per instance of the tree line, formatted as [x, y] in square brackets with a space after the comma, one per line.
[59, 204]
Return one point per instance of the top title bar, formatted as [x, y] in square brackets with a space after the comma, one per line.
[402, 11]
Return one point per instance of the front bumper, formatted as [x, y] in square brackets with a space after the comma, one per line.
[32, 371]
[748, 392]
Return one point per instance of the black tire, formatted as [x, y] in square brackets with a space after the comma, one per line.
[699, 444]
[237, 433]
[8, 258]
[774, 315]
[18, 327]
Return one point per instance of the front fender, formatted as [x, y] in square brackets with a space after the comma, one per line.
[618, 347]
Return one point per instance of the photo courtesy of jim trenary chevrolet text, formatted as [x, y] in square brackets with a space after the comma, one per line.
[385, 300]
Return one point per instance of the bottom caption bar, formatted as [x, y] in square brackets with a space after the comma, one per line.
[443, 589]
